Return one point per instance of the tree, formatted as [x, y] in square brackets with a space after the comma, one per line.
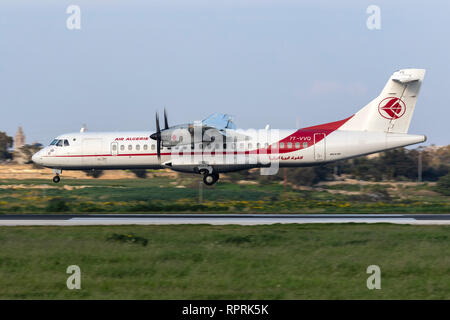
[26, 152]
[443, 185]
[398, 163]
[140, 173]
[6, 142]
[310, 175]
[94, 173]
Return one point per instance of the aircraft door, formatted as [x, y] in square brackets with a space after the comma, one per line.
[319, 146]
[114, 149]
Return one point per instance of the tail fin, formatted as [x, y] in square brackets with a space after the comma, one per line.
[392, 110]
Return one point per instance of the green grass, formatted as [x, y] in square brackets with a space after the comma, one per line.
[162, 194]
[226, 262]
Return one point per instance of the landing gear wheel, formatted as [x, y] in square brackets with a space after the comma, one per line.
[209, 179]
[56, 179]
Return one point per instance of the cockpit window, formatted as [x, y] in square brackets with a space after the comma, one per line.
[60, 142]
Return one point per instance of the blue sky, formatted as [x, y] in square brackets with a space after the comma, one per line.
[280, 62]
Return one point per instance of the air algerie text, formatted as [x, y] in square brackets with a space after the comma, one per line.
[131, 138]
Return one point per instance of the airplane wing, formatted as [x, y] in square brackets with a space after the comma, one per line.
[221, 124]
[216, 126]
[220, 121]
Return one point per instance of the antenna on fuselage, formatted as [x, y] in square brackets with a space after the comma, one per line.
[83, 128]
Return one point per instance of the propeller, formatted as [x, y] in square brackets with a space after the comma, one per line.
[157, 136]
[166, 122]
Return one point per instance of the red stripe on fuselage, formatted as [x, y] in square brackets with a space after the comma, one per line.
[307, 135]
[301, 136]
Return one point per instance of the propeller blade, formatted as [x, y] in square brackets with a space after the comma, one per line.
[158, 129]
[158, 137]
[166, 122]
[158, 148]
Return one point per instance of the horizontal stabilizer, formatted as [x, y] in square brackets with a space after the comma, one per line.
[403, 76]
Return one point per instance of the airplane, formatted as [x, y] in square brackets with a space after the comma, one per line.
[215, 146]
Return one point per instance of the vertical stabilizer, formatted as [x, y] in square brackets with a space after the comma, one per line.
[392, 110]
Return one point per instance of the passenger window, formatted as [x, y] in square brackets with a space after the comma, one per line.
[281, 145]
[138, 147]
[145, 147]
[305, 144]
[130, 147]
[297, 145]
[122, 147]
[289, 145]
[66, 143]
[114, 147]
[153, 147]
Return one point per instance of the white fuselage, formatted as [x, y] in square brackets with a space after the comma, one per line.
[285, 148]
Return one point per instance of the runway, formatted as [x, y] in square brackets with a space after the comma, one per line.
[216, 219]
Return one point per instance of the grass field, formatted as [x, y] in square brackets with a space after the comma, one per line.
[226, 262]
[163, 194]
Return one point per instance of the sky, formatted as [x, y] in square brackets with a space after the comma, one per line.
[285, 63]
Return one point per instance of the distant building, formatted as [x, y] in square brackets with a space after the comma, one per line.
[19, 140]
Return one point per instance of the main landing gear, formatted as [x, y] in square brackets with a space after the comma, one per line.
[210, 178]
[56, 179]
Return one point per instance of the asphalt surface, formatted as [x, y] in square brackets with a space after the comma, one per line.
[216, 219]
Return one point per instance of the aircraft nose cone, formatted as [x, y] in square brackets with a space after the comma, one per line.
[35, 157]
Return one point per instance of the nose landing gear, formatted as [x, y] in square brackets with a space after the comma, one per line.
[57, 172]
[210, 178]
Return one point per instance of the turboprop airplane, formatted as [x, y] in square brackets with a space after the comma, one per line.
[214, 145]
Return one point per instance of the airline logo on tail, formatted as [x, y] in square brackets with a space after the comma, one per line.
[391, 108]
